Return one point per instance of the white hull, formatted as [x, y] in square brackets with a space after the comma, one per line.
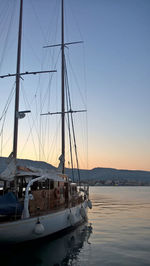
[24, 230]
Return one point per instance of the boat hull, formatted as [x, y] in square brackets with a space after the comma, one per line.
[42, 226]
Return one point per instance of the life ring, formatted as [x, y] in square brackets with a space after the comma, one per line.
[57, 193]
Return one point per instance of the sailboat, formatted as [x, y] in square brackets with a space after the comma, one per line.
[37, 200]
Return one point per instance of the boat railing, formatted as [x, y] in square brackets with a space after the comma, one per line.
[25, 213]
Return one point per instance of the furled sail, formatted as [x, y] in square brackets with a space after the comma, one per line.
[9, 171]
[10, 168]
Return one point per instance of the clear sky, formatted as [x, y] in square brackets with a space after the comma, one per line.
[116, 63]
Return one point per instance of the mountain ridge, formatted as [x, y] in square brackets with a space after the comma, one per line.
[112, 175]
[97, 175]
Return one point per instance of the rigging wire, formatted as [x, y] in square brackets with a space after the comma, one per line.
[38, 19]
[69, 131]
[53, 144]
[86, 99]
[70, 144]
[43, 98]
[53, 58]
[3, 116]
[76, 80]
[72, 123]
[6, 143]
[33, 125]
[8, 102]
[6, 30]
[50, 36]
[48, 98]
[75, 19]
[83, 100]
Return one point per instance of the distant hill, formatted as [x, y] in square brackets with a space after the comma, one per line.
[95, 176]
[112, 176]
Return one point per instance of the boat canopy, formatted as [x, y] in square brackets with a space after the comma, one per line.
[9, 204]
[11, 168]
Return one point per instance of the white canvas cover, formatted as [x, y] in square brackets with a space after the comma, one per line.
[9, 168]
[9, 172]
[50, 174]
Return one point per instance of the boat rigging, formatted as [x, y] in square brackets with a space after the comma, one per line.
[36, 198]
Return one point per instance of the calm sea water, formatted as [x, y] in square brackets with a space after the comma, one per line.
[117, 233]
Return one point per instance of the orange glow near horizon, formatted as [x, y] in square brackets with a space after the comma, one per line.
[95, 160]
[126, 165]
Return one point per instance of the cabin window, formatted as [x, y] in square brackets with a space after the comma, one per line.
[47, 184]
[51, 184]
[34, 186]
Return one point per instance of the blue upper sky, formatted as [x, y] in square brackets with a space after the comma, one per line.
[116, 58]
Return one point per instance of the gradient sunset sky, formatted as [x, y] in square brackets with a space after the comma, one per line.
[116, 62]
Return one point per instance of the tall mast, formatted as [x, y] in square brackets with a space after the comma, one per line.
[63, 110]
[62, 86]
[17, 83]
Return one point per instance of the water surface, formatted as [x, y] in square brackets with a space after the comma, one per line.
[121, 226]
[117, 233]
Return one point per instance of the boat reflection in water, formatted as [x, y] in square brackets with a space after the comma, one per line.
[53, 252]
